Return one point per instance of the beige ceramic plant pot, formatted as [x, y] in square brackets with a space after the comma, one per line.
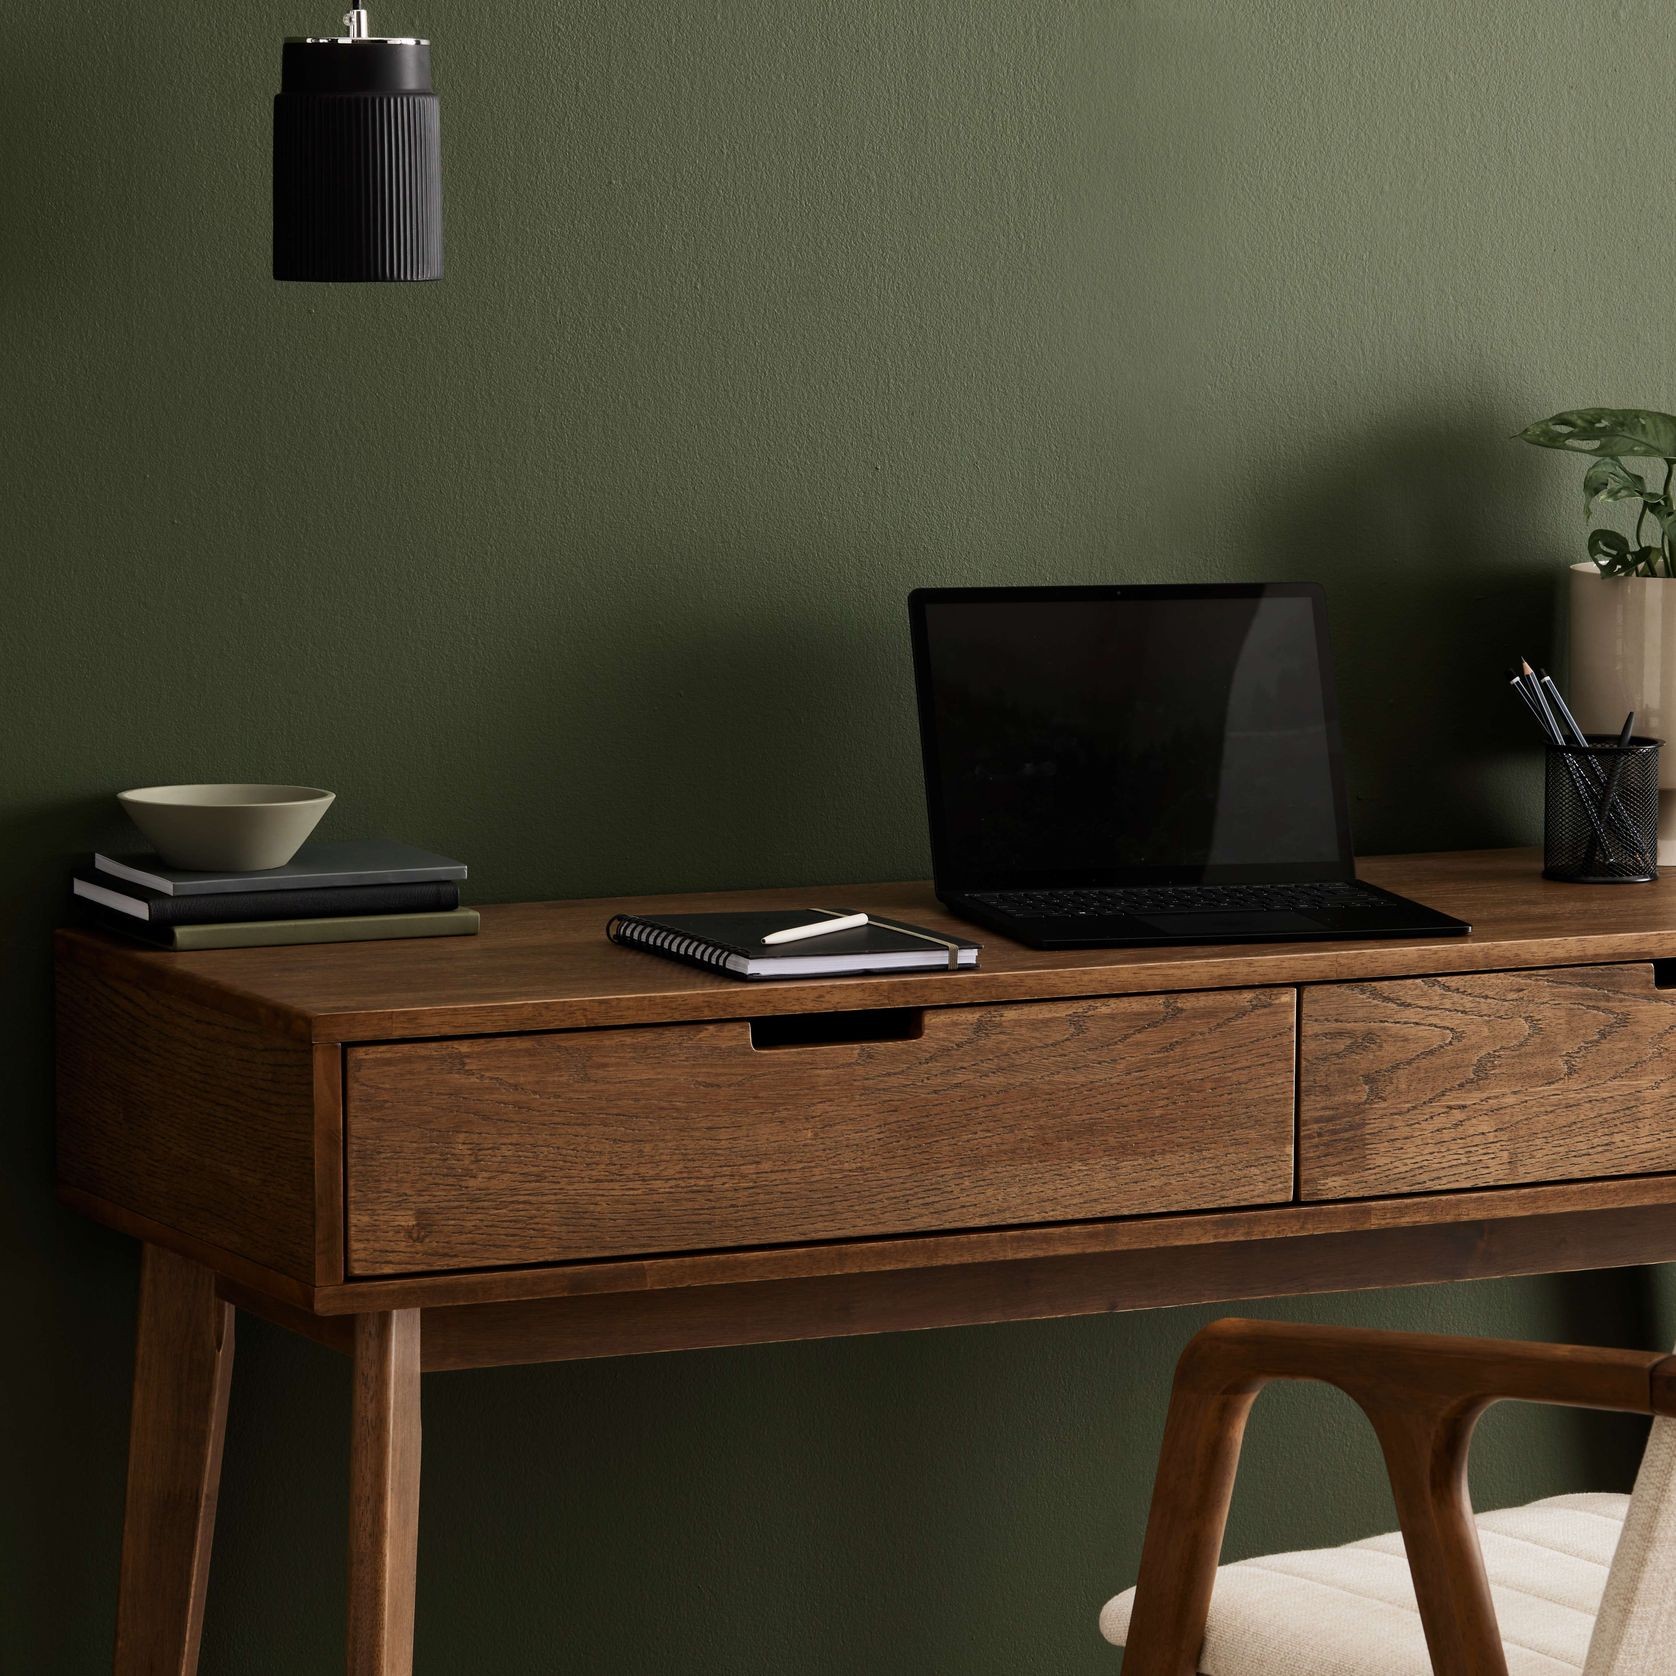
[1623, 657]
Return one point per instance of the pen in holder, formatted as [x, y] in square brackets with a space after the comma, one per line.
[1601, 812]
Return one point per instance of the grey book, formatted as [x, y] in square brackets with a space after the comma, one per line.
[355, 861]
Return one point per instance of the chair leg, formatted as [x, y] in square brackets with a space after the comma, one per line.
[1426, 1458]
[384, 1494]
[183, 1366]
[1190, 1500]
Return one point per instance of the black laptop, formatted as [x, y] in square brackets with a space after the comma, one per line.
[1141, 765]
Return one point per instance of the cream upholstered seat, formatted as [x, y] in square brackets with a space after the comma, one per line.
[1582, 1584]
[1351, 1611]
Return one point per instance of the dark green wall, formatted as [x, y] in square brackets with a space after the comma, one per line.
[589, 564]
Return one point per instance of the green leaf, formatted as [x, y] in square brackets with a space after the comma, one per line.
[1612, 554]
[1603, 431]
[1610, 479]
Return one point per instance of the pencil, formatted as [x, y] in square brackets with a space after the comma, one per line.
[1611, 792]
[1518, 685]
[1525, 683]
[1528, 675]
[1610, 808]
[1558, 704]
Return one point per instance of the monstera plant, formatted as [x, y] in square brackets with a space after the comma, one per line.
[1613, 436]
[1623, 597]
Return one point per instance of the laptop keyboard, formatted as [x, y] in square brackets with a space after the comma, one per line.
[1177, 899]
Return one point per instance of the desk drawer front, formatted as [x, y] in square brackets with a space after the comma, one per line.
[521, 1149]
[1485, 1079]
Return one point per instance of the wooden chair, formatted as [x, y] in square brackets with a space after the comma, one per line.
[1572, 1584]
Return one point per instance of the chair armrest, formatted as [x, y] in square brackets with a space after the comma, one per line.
[1425, 1369]
[1423, 1394]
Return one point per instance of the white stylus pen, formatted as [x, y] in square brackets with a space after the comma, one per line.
[796, 933]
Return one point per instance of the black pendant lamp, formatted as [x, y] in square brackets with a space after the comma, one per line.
[357, 159]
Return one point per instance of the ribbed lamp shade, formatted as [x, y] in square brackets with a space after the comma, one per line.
[357, 162]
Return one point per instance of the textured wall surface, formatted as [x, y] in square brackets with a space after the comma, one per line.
[589, 564]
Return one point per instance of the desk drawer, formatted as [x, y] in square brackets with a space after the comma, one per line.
[529, 1149]
[1484, 1079]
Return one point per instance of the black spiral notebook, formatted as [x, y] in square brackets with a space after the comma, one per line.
[732, 944]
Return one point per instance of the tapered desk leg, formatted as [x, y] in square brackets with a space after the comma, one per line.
[183, 1365]
[384, 1494]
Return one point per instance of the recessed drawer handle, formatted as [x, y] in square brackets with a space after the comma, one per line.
[877, 1024]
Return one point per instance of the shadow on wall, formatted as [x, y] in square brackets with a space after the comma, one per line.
[1432, 593]
[69, 1288]
[1623, 1315]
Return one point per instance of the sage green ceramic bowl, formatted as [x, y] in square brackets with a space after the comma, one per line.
[231, 829]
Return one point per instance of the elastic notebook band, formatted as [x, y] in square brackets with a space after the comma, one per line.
[924, 937]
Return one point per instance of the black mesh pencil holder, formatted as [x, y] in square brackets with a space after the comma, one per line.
[1601, 812]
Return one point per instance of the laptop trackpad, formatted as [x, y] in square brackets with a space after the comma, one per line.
[1277, 921]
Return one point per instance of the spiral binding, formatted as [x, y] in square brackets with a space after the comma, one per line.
[698, 951]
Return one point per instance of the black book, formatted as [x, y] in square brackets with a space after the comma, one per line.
[732, 944]
[156, 907]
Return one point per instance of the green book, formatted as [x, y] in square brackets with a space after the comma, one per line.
[254, 934]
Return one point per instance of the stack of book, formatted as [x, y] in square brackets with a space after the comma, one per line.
[328, 893]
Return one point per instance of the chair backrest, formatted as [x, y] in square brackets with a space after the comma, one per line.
[1635, 1633]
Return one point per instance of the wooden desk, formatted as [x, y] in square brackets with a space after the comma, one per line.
[532, 1146]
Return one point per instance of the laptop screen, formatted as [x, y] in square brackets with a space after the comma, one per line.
[1078, 736]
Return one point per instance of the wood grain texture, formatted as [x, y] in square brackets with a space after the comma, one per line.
[547, 965]
[583, 1144]
[193, 1118]
[327, 1059]
[183, 1365]
[1423, 1395]
[908, 1300]
[1584, 1225]
[557, 965]
[1470, 1080]
[384, 1494]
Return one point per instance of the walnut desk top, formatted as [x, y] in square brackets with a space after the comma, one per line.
[658, 1157]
